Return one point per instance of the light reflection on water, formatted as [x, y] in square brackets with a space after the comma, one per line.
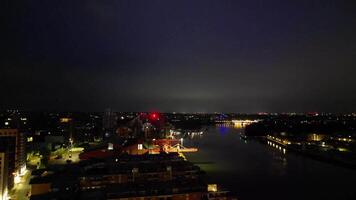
[256, 170]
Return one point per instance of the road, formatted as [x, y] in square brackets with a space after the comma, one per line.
[22, 189]
[69, 154]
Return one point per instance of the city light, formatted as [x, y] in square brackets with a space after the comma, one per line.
[249, 81]
[17, 178]
[30, 139]
[23, 170]
[5, 195]
[212, 187]
[342, 149]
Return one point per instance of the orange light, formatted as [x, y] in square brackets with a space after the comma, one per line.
[65, 120]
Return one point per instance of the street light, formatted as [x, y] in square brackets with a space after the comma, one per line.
[71, 146]
[71, 141]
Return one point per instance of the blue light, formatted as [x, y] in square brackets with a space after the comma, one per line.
[223, 130]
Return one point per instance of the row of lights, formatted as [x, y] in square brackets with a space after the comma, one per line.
[277, 147]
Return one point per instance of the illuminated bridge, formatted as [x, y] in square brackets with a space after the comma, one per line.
[243, 123]
[238, 123]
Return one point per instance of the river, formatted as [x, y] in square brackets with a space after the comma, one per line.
[256, 171]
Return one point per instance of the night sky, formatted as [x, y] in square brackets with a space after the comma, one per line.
[183, 56]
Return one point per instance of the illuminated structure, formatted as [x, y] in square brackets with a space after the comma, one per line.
[3, 175]
[236, 123]
[14, 142]
[149, 125]
[109, 123]
[16, 120]
[65, 120]
[243, 123]
[169, 146]
[316, 137]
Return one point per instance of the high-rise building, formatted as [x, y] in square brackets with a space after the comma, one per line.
[7, 147]
[3, 174]
[13, 141]
[15, 119]
[109, 123]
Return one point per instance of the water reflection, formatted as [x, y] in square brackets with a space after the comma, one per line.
[223, 130]
[277, 146]
[254, 168]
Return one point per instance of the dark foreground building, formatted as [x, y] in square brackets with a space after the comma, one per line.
[145, 177]
[12, 159]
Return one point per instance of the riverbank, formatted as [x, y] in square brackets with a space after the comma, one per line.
[254, 171]
[311, 151]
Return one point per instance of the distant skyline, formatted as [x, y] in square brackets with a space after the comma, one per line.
[184, 56]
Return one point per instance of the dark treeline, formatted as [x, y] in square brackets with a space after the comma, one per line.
[303, 124]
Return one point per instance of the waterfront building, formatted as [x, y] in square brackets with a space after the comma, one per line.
[158, 176]
[118, 172]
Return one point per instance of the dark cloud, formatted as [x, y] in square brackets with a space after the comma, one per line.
[232, 56]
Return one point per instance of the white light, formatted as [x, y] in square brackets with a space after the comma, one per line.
[110, 146]
[23, 170]
[139, 146]
[6, 123]
[5, 195]
[17, 178]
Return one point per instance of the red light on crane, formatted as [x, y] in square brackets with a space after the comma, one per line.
[154, 116]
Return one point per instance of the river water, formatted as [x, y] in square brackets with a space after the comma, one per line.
[255, 171]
